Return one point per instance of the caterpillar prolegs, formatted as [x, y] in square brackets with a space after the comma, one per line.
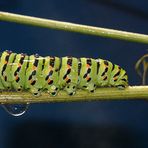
[52, 74]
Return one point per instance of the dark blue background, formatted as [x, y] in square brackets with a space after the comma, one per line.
[111, 124]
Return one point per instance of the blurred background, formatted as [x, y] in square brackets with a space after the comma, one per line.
[103, 124]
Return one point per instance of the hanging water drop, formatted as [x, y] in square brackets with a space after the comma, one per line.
[16, 109]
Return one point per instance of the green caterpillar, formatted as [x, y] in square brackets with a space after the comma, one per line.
[36, 73]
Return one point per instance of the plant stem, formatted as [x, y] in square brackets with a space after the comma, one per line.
[130, 93]
[71, 27]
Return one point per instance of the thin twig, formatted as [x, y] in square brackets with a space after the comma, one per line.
[130, 93]
[84, 29]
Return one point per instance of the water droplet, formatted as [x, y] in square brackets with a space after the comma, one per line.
[16, 109]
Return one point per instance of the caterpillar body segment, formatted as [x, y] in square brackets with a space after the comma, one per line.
[104, 71]
[18, 71]
[118, 77]
[88, 74]
[68, 75]
[34, 77]
[1, 84]
[6, 61]
[51, 74]
[35, 73]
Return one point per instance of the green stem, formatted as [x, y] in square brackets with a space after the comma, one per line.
[84, 29]
[130, 93]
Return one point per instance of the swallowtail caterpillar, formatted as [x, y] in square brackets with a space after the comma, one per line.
[35, 73]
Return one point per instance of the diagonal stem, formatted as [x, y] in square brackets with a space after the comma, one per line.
[72, 27]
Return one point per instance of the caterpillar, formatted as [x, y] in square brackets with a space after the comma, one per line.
[35, 73]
